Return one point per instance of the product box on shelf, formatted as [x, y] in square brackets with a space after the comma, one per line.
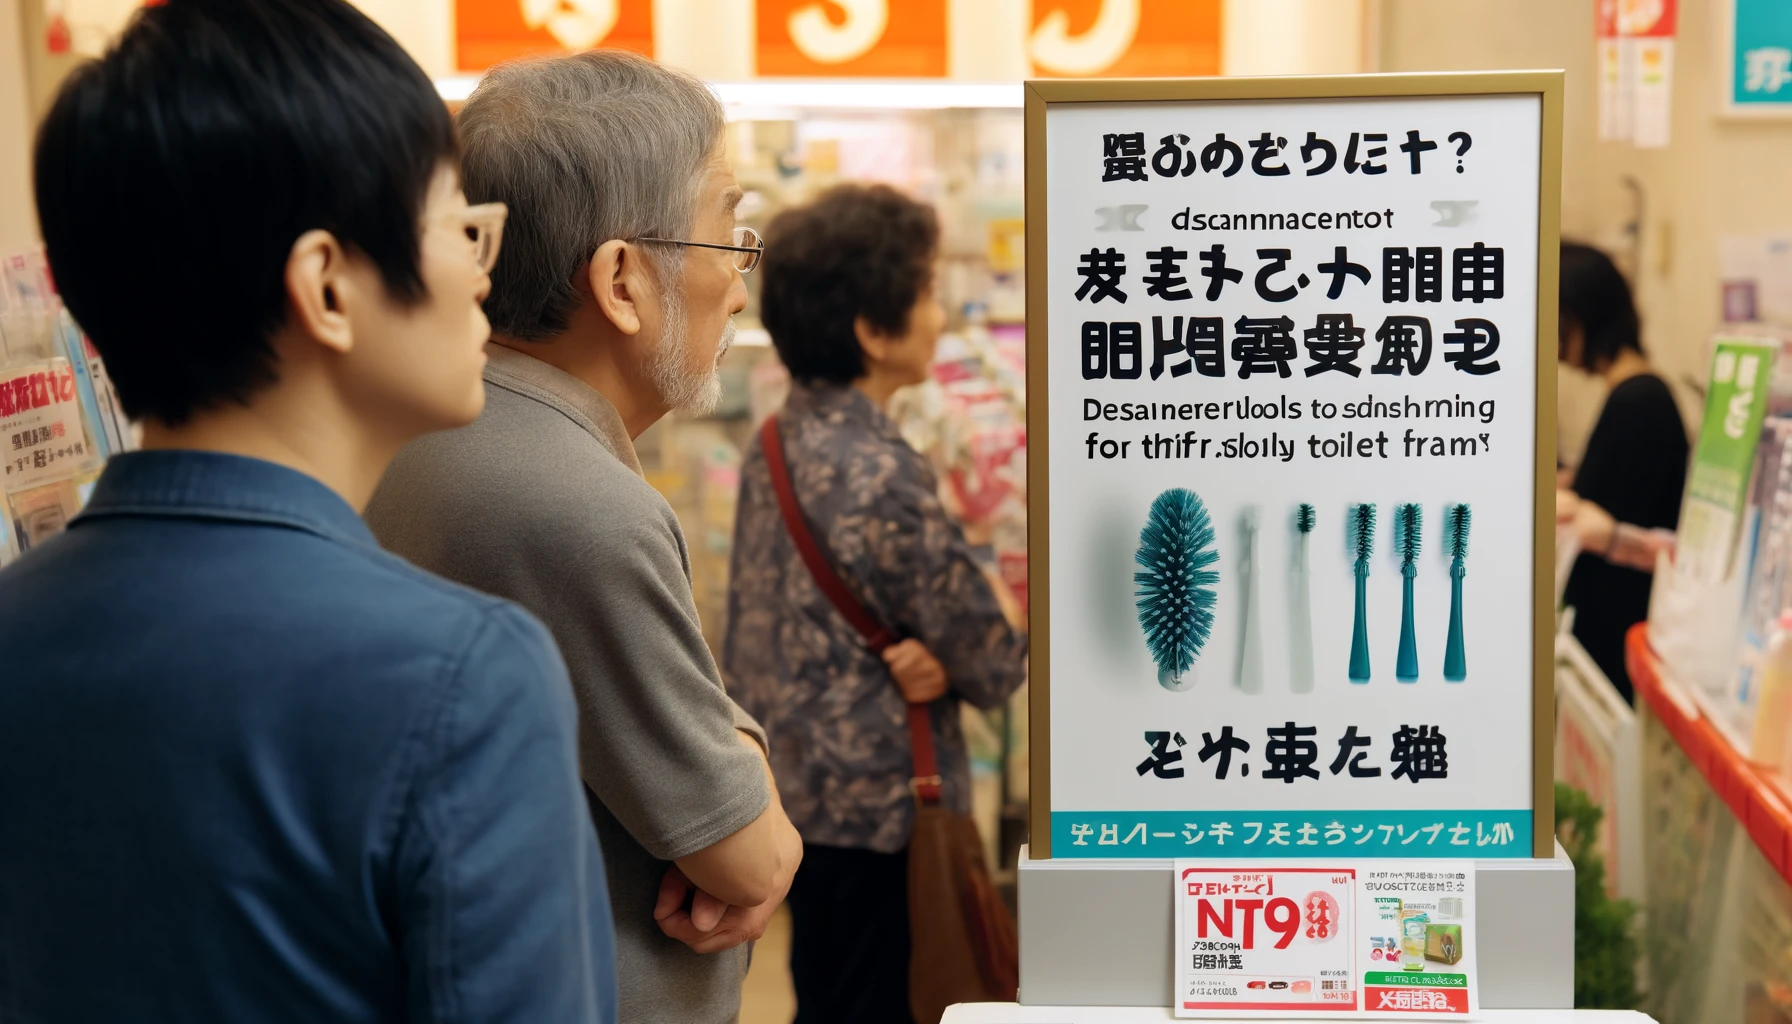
[1769, 573]
[1695, 606]
[59, 415]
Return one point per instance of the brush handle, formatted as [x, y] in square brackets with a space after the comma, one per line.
[1455, 659]
[1406, 664]
[1250, 658]
[1301, 653]
[1359, 639]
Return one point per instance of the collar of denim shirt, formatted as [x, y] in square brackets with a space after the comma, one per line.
[186, 484]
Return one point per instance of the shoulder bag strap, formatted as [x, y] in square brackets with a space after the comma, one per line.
[877, 636]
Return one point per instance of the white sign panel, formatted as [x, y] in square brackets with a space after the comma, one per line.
[1291, 367]
[1312, 940]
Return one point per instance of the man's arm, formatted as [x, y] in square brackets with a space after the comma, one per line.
[710, 924]
[658, 735]
[755, 864]
[503, 911]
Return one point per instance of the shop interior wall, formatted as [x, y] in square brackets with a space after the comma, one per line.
[1717, 177]
[18, 224]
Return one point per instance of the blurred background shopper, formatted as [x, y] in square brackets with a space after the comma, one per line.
[1633, 472]
[848, 297]
[251, 766]
[614, 307]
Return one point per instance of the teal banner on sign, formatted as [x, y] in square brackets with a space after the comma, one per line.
[1328, 834]
[1761, 55]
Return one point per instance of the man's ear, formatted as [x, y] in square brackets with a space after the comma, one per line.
[620, 283]
[872, 341]
[320, 291]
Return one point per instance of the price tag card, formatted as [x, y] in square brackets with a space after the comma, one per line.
[1288, 939]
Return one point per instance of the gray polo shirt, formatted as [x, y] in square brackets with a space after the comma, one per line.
[542, 501]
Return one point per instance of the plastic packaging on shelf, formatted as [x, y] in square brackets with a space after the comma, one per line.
[1696, 602]
[1773, 704]
[1770, 570]
[59, 415]
[970, 422]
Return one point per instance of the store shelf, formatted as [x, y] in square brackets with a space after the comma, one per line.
[1752, 795]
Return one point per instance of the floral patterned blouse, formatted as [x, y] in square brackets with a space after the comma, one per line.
[837, 724]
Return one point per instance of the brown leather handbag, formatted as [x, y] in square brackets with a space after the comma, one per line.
[962, 942]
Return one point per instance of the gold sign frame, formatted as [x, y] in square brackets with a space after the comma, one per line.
[1548, 87]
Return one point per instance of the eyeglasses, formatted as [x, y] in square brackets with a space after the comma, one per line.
[484, 227]
[748, 247]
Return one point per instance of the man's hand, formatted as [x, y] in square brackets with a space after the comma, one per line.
[709, 925]
[918, 674]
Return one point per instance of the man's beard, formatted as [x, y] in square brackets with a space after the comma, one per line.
[694, 394]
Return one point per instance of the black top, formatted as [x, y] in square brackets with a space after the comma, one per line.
[1634, 468]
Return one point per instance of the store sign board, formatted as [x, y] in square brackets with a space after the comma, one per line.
[488, 32]
[1760, 54]
[1325, 940]
[1268, 304]
[866, 38]
[1125, 38]
[851, 38]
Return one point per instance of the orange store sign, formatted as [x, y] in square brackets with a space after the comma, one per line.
[868, 38]
[856, 38]
[1125, 38]
[487, 32]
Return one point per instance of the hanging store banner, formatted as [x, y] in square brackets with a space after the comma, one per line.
[851, 38]
[1292, 342]
[1125, 38]
[1616, 91]
[488, 32]
[866, 38]
[1647, 28]
[1760, 56]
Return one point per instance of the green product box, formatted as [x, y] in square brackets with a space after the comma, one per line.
[1724, 458]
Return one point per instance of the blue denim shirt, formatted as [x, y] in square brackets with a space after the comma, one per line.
[252, 768]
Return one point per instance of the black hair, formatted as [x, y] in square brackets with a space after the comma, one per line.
[1596, 298]
[174, 175]
[856, 251]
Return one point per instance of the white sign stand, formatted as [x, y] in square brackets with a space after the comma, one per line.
[1377, 233]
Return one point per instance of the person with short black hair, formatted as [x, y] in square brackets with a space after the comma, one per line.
[848, 298]
[1630, 479]
[251, 766]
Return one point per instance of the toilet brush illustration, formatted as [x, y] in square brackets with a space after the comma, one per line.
[1456, 535]
[1362, 541]
[1301, 642]
[1250, 654]
[1408, 533]
[1176, 584]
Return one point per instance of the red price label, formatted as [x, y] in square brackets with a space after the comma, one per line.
[1238, 919]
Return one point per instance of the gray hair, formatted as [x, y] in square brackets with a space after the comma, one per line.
[584, 148]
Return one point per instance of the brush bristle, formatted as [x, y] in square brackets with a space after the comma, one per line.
[1409, 521]
[1176, 585]
[1362, 530]
[1305, 518]
[1458, 531]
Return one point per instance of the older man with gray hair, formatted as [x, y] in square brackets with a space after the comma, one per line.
[612, 307]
